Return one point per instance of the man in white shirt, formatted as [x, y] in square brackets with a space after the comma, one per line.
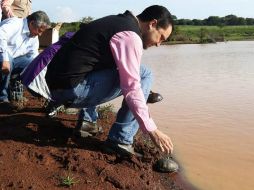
[19, 46]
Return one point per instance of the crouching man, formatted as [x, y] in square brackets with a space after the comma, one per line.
[102, 61]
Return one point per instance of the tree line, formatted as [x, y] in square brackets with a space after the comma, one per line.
[229, 20]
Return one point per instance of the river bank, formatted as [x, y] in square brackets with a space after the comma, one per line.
[189, 34]
[41, 153]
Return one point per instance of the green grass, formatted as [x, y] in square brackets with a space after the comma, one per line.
[104, 111]
[195, 34]
[68, 181]
[69, 27]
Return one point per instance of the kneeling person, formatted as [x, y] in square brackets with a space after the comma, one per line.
[18, 47]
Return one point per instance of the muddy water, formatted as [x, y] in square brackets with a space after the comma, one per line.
[208, 110]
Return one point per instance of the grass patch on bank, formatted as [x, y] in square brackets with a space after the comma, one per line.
[68, 181]
[104, 111]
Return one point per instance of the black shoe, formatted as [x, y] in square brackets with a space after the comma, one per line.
[166, 165]
[52, 109]
[5, 101]
[87, 129]
[121, 149]
[7, 107]
[154, 97]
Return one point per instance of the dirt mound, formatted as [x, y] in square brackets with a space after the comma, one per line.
[41, 153]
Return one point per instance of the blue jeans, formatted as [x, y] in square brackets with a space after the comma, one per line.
[100, 87]
[16, 67]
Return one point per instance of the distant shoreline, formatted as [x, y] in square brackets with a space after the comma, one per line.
[185, 34]
[189, 42]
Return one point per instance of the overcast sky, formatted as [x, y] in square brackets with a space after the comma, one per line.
[74, 10]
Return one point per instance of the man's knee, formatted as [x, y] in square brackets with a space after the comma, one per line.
[21, 62]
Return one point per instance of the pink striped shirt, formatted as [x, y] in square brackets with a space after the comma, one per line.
[127, 50]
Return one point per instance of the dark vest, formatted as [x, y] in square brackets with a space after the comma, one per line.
[88, 50]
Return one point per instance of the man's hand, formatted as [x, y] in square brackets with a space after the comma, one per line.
[6, 68]
[162, 141]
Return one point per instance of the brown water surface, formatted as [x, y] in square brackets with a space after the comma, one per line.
[208, 110]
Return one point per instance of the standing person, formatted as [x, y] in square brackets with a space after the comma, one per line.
[16, 8]
[19, 45]
[103, 61]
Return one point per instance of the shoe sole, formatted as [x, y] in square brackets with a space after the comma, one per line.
[112, 148]
[85, 134]
[54, 113]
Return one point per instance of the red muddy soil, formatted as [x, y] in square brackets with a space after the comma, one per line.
[37, 152]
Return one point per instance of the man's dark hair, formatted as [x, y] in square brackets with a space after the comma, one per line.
[160, 13]
[40, 18]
